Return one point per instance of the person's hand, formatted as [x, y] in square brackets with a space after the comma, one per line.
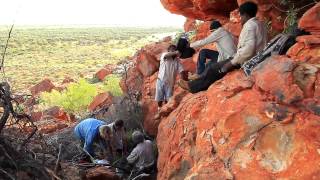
[226, 67]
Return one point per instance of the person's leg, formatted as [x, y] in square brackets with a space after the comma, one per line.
[159, 96]
[208, 77]
[168, 91]
[205, 54]
[160, 103]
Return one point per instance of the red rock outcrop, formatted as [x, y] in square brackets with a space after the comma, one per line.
[102, 73]
[55, 112]
[310, 21]
[147, 64]
[307, 48]
[270, 11]
[259, 127]
[101, 100]
[201, 9]
[189, 25]
[101, 173]
[105, 71]
[44, 86]
[244, 128]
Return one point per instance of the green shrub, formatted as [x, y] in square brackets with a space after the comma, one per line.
[111, 84]
[75, 98]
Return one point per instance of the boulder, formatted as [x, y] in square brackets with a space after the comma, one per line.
[310, 21]
[51, 127]
[98, 173]
[101, 100]
[44, 86]
[36, 116]
[147, 64]
[56, 113]
[157, 48]
[102, 73]
[132, 81]
[244, 127]
[67, 80]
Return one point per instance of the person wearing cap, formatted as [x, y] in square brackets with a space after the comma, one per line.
[224, 42]
[252, 39]
[142, 156]
[91, 131]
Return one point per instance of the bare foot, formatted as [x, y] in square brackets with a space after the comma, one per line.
[193, 76]
[183, 84]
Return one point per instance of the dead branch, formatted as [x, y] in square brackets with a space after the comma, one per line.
[6, 46]
[58, 160]
[50, 172]
[7, 155]
[6, 173]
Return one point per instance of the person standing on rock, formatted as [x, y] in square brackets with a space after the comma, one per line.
[91, 131]
[142, 156]
[253, 38]
[225, 45]
[170, 66]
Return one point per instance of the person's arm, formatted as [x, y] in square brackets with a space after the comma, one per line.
[106, 146]
[213, 37]
[125, 142]
[133, 157]
[182, 72]
[110, 149]
[88, 143]
[248, 50]
[170, 54]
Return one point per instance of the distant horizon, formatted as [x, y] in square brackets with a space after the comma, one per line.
[124, 13]
[91, 25]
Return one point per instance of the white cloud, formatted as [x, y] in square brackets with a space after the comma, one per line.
[104, 12]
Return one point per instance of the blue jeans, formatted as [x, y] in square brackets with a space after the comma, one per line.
[205, 54]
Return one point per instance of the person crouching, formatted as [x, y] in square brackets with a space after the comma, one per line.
[90, 131]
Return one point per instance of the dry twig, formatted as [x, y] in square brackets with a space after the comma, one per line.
[6, 173]
[58, 160]
[54, 176]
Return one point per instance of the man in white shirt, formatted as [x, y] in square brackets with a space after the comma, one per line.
[224, 42]
[170, 66]
[253, 38]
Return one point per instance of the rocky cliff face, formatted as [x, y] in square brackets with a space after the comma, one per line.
[271, 11]
[265, 126]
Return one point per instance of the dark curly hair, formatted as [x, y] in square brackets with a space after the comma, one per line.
[249, 8]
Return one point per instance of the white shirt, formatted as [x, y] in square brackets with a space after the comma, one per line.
[142, 155]
[253, 38]
[224, 40]
[169, 69]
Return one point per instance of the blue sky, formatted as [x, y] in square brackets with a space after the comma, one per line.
[95, 12]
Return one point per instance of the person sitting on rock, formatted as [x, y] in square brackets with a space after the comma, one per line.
[91, 131]
[225, 45]
[118, 139]
[142, 157]
[168, 70]
[253, 38]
